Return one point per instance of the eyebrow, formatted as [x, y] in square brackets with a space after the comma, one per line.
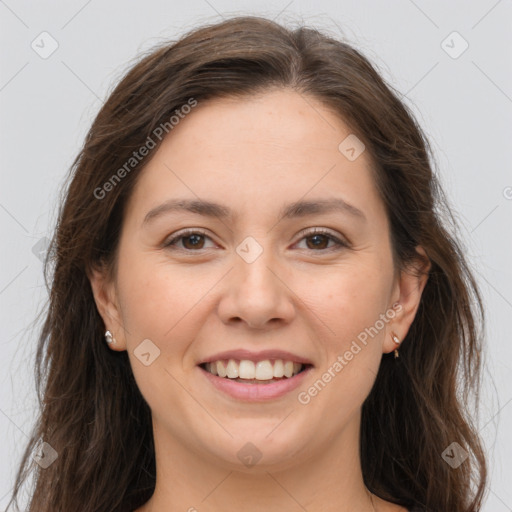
[288, 211]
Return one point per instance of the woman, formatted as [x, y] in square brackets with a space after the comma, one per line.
[255, 303]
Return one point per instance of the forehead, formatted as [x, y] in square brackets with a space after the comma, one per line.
[280, 119]
[255, 150]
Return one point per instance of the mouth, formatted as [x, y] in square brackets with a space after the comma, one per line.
[254, 380]
[250, 372]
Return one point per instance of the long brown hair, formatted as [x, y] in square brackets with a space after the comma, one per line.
[91, 411]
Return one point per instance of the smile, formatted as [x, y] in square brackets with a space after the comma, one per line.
[259, 372]
[250, 381]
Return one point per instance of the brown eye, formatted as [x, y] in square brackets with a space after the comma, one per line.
[190, 241]
[194, 241]
[317, 241]
[322, 240]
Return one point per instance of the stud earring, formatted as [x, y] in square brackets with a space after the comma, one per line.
[396, 339]
[109, 338]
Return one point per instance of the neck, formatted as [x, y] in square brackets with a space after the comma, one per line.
[329, 480]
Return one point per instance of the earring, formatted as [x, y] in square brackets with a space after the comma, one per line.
[396, 339]
[109, 338]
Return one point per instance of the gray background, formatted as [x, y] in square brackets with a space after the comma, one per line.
[47, 104]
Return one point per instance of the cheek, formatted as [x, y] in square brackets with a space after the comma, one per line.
[161, 304]
[350, 304]
[156, 297]
[166, 304]
[349, 298]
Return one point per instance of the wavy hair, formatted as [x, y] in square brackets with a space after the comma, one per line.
[91, 410]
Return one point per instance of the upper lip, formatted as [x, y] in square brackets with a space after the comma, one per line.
[240, 354]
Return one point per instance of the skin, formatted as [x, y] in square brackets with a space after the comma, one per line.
[254, 155]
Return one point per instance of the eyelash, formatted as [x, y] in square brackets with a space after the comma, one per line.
[304, 234]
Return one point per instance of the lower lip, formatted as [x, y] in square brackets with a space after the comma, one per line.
[256, 392]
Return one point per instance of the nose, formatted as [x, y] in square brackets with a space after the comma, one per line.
[256, 294]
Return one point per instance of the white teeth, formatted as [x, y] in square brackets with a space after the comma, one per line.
[288, 369]
[279, 368]
[221, 369]
[232, 369]
[247, 370]
[262, 370]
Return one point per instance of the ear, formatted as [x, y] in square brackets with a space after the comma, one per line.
[406, 298]
[105, 297]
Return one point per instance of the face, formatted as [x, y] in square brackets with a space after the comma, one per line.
[257, 278]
